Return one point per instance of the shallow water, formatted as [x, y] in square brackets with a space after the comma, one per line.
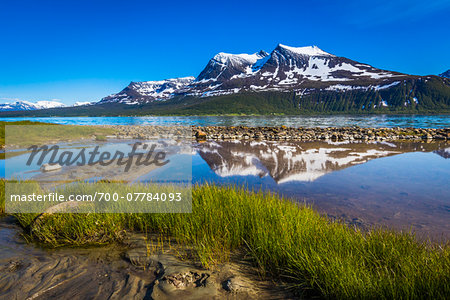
[402, 185]
[399, 185]
[419, 121]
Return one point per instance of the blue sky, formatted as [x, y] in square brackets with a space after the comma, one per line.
[84, 50]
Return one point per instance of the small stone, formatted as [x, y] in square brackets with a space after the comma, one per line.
[14, 266]
[50, 168]
[200, 135]
[233, 284]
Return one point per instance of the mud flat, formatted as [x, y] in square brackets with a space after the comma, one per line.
[137, 268]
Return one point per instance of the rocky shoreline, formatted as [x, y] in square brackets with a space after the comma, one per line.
[283, 133]
[318, 133]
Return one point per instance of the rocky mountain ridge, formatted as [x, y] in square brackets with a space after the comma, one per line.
[284, 69]
[446, 74]
[288, 81]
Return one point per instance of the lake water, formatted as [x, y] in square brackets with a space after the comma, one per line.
[399, 185]
[418, 121]
[404, 185]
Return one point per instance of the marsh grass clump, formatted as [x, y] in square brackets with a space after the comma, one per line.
[100, 138]
[285, 240]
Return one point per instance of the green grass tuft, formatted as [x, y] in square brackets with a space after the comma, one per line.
[286, 240]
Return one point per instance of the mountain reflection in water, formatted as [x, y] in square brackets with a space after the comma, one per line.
[401, 185]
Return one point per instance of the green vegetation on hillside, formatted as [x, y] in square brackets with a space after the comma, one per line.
[412, 96]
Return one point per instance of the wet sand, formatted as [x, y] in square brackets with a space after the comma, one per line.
[134, 269]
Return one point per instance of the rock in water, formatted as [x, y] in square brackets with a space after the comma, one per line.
[50, 168]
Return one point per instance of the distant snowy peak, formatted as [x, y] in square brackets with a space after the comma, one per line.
[147, 91]
[48, 104]
[81, 103]
[446, 74]
[26, 105]
[18, 105]
[308, 50]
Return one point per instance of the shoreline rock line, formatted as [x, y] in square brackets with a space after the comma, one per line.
[275, 133]
[319, 133]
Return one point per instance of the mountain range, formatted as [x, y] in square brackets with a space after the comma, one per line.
[288, 80]
[27, 105]
[285, 69]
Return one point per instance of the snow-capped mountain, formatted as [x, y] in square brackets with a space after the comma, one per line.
[284, 69]
[446, 74]
[288, 80]
[147, 91]
[26, 105]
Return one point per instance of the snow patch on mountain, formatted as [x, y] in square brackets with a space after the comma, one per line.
[225, 58]
[308, 50]
[386, 86]
[161, 89]
[341, 87]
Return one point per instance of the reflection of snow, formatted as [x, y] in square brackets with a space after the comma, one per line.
[253, 167]
[307, 176]
[285, 162]
[388, 144]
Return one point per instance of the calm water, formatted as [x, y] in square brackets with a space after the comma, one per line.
[292, 121]
[399, 185]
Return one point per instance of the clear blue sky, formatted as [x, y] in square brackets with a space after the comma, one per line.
[84, 50]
